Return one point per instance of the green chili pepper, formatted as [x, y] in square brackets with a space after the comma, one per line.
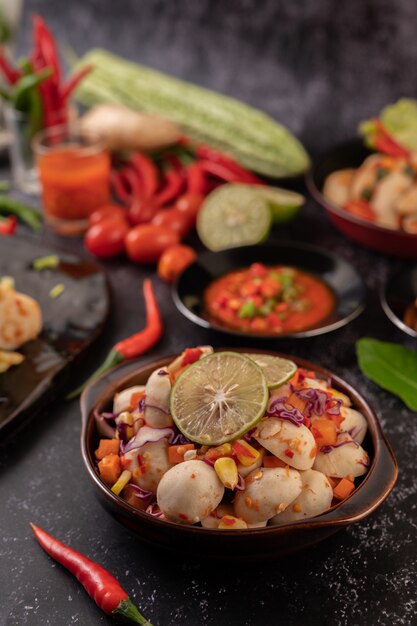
[26, 214]
[25, 85]
[247, 310]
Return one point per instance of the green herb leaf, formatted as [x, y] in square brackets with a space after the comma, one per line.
[392, 366]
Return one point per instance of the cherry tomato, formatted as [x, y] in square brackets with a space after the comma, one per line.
[141, 211]
[105, 211]
[173, 261]
[106, 238]
[146, 243]
[178, 221]
[190, 203]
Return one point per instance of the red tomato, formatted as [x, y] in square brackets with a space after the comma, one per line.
[141, 211]
[107, 210]
[106, 238]
[190, 203]
[176, 220]
[146, 243]
[173, 261]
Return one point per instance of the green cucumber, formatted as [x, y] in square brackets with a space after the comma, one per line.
[253, 138]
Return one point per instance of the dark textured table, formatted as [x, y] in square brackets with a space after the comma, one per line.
[319, 68]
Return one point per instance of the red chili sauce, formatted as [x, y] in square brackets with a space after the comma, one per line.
[270, 300]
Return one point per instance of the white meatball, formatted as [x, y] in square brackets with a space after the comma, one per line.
[347, 459]
[245, 470]
[292, 444]
[267, 492]
[158, 392]
[189, 491]
[315, 498]
[148, 464]
[121, 401]
[20, 318]
[354, 423]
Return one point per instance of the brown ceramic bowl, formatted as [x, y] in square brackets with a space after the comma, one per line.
[260, 543]
[352, 154]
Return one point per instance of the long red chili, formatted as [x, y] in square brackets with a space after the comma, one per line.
[221, 171]
[209, 154]
[196, 179]
[133, 346]
[118, 186]
[100, 585]
[147, 172]
[172, 188]
[10, 73]
[8, 225]
[74, 81]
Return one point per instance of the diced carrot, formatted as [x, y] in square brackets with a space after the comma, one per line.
[273, 461]
[343, 489]
[135, 398]
[324, 431]
[297, 402]
[110, 468]
[295, 379]
[176, 453]
[107, 446]
[337, 419]
[129, 496]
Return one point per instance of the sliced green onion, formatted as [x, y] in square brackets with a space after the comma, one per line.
[56, 291]
[49, 262]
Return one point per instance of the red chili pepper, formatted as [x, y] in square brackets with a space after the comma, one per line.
[147, 172]
[221, 171]
[118, 186]
[100, 585]
[45, 43]
[196, 179]
[74, 81]
[384, 142]
[172, 188]
[207, 153]
[10, 73]
[133, 346]
[8, 225]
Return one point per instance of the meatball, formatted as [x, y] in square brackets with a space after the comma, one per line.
[354, 423]
[315, 498]
[345, 458]
[292, 444]
[148, 464]
[189, 492]
[268, 491]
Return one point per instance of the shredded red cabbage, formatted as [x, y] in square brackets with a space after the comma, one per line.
[366, 463]
[318, 402]
[141, 405]
[163, 373]
[241, 483]
[179, 440]
[105, 425]
[248, 435]
[211, 463]
[154, 510]
[327, 449]
[146, 434]
[139, 492]
[285, 411]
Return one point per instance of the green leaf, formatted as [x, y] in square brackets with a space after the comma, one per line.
[392, 366]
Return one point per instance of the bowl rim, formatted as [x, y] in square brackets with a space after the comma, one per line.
[304, 334]
[393, 317]
[339, 211]
[331, 518]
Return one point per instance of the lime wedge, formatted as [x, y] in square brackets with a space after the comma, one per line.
[283, 203]
[233, 216]
[219, 398]
[276, 369]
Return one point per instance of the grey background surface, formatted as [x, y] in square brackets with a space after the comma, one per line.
[319, 67]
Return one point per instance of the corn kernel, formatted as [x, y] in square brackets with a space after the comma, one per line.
[121, 482]
[245, 453]
[226, 470]
[128, 419]
[229, 522]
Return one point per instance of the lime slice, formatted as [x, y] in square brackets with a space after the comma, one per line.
[232, 216]
[276, 369]
[284, 204]
[219, 398]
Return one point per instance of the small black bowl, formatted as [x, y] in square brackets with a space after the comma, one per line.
[399, 292]
[338, 274]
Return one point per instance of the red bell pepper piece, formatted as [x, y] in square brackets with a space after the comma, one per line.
[384, 142]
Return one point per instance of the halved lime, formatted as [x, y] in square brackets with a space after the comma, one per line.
[283, 203]
[219, 398]
[233, 216]
[276, 369]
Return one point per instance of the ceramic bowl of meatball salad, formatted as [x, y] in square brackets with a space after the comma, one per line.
[241, 453]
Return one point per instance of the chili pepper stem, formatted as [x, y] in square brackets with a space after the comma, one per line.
[113, 358]
[128, 612]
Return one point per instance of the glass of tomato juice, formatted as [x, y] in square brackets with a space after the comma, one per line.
[74, 172]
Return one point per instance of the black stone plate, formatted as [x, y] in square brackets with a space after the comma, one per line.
[70, 323]
[338, 274]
